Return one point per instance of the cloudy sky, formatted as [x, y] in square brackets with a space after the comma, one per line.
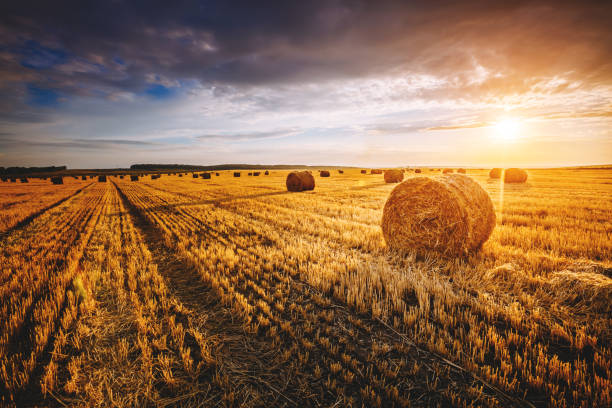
[367, 83]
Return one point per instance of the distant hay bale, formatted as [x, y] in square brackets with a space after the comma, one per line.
[133, 178]
[514, 175]
[121, 177]
[447, 171]
[461, 171]
[24, 180]
[324, 173]
[13, 180]
[363, 171]
[266, 173]
[495, 173]
[180, 175]
[101, 178]
[341, 171]
[256, 173]
[393, 176]
[59, 179]
[206, 176]
[417, 170]
[376, 171]
[217, 174]
[236, 174]
[83, 177]
[447, 215]
[249, 174]
[195, 175]
[300, 181]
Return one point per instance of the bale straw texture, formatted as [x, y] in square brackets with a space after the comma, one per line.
[446, 215]
[394, 176]
[447, 171]
[515, 176]
[300, 181]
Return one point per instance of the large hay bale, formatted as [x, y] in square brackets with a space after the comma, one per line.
[461, 171]
[495, 173]
[57, 180]
[324, 173]
[447, 171]
[447, 215]
[206, 176]
[376, 171]
[393, 176]
[236, 174]
[102, 178]
[513, 175]
[417, 170]
[300, 181]
[133, 178]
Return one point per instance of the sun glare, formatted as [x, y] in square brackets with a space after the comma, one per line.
[507, 129]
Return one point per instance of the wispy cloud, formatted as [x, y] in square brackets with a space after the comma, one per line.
[249, 136]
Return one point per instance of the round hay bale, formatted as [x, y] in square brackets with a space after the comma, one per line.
[495, 173]
[180, 175]
[102, 178]
[447, 171]
[59, 179]
[206, 176]
[217, 174]
[417, 170]
[446, 215]
[461, 171]
[266, 173]
[363, 171]
[236, 174]
[324, 173]
[393, 176]
[341, 171]
[300, 181]
[515, 176]
[376, 171]
[256, 173]
[195, 175]
[133, 178]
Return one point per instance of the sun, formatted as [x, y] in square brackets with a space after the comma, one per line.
[507, 129]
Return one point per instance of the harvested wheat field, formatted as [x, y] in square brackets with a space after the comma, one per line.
[237, 292]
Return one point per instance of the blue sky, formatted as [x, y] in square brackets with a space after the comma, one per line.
[346, 83]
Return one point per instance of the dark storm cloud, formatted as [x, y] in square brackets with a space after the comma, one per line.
[96, 48]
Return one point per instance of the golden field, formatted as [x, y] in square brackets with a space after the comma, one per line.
[234, 292]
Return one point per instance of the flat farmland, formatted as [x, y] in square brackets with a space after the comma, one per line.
[232, 291]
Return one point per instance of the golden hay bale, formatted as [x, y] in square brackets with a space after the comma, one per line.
[236, 174]
[102, 178]
[461, 171]
[513, 175]
[447, 171]
[59, 179]
[256, 173]
[195, 175]
[206, 176]
[217, 174]
[376, 171]
[363, 171]
[341, 171]
[448, 215]
[324, 173]
[250, 174]
[180, 175]
[300, 181]
[417, 170]
[393, 176]
[495, 173]
[266, 173]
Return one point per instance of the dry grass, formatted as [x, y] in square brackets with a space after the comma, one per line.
[237, 293]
